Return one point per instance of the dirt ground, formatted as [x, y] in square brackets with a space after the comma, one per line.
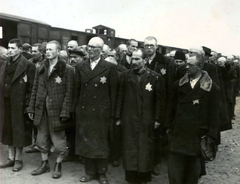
[225, 169]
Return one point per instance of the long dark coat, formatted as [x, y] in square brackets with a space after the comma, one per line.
[139, 105]
[21, 87]
[192, 113]
[94, 104]
[54, 91]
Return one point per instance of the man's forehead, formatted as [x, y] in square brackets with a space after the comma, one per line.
[123, 47]
[51, 45]
[149, 41]
[12, 45]
[35, 48]
[133, 43]
[192, 60]
[137, 54]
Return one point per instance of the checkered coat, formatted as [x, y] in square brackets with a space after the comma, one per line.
[54, 92]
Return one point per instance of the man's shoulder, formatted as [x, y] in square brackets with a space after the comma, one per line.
[159, 57]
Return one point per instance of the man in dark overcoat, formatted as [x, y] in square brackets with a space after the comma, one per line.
[157, 62]
[96, 82]
[16, 81]
[191, 114]
[140, 109]
[132, 45]
[50, 106]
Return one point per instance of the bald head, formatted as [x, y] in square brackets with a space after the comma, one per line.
[95, 46]
[72, 45]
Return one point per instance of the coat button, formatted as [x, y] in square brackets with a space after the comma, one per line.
[94, 97]
[20, 81]
[5, 84]
[86, 84]
[84, 96]
[83, 107]
[93, 110]
[95, 85]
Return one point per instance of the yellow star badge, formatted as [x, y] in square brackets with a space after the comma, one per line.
[103, 80]
[195, 102]
[163, 71]
[58, 80]
[149, 87]
[25, 78]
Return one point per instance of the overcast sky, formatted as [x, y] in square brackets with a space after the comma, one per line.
[179, 23]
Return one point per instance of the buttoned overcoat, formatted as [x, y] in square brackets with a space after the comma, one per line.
[192, 113]
[54, 92]
[94, 105]
[139, 106]
[20, 90]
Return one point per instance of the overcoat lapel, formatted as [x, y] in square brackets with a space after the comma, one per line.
[100, 68]
[21, 67]
[191, 94]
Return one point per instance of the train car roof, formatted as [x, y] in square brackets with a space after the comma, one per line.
[18, 19]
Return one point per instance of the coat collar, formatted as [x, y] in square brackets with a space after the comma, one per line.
[99, 68]
[60, 67]
[205, 81]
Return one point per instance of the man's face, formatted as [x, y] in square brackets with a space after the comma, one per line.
[133, 46]
[94, 48]
[192, 66]
[75, 59]
[105, 51]
[35, 53]
[72, 45]
[13, 50]
[150, 47]
[112, 54]
[137, 60]
[52, 51]
[179, 62]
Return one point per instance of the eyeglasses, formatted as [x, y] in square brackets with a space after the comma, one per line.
[92, 47]
[147, 46]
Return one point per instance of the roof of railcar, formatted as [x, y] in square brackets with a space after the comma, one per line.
[18, 19]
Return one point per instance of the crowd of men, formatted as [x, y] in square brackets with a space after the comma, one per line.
[129, 105]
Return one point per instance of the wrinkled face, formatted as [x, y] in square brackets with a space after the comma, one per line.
[52, 51]
[137, 60]
[13, 50]
[112, 54]
[133, 46]
[179, 62]
[36, 53]
[75, 59]
[72, 45]
[94, 48]
[192, 66]
[150, 47]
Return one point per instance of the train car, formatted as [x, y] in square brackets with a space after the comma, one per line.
[34, 31]
[27, 30]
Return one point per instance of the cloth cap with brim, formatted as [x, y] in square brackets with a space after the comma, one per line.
[77, 51]
[207, 51]
[26, 46]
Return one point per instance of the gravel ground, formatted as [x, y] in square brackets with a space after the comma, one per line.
[225, 169]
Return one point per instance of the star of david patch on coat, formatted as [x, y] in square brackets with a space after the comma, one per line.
[25, 78]
[195, 102]
[149, 87]
[103, 80]
[163, 71]
[58, 80]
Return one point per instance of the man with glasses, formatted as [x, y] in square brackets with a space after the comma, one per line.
[192, 113]
[132, 45]
[96, 83]
[140, 110]
[156, 62]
